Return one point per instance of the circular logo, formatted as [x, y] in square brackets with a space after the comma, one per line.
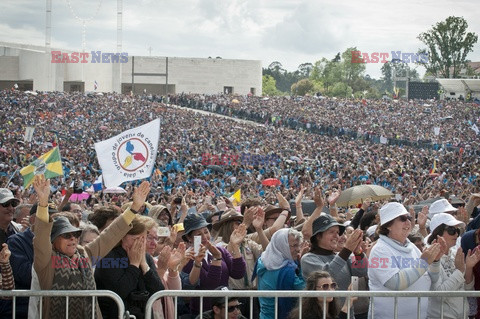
[132, 154]
[40, 166]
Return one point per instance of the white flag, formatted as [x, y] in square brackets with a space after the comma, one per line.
[383, 140]
[436, 131]
[129, 155]
[28, 133]
[475, 128]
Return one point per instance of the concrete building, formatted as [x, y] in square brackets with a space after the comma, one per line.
[32, 68]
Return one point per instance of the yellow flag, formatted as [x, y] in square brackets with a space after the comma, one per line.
[236, 197]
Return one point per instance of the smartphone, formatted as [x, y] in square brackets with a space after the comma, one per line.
[196, 244]
[354, 283]
[163, 232]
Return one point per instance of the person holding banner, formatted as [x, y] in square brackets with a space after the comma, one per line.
[61, 264]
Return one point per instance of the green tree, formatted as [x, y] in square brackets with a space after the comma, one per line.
[305, 69]
[341, 89]
[448, 44]
[387, 77]
[302, 87]
[351, 71]
[269, 86]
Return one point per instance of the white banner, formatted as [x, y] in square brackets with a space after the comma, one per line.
[383, 140]
[129, 155]
[436, 131]
[28, 133]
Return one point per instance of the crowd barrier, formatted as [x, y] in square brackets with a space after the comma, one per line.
[300, 294]
[307, 294]
[67, 294]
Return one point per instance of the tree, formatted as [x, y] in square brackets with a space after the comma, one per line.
[305, 69]
[302, 87]
[448, 45]
[387, 78]
[352, 71]
[269, 86]
[341, 89]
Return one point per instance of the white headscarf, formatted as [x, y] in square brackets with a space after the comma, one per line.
[277, 255]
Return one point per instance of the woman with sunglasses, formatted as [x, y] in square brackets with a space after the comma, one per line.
[313, 308]
[396, 264]
[61, 264]
[455, 271]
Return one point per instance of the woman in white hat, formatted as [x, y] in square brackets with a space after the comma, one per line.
[456, 271]
[396, 264]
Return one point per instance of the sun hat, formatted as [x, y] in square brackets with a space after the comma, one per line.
[226, 217]
[6, 195]
[440, 206]
[61, 225]
[390, 211]
[444, 218]
[193, 222]
[324, 222]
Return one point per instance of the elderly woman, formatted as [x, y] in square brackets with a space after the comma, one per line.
[278, 269]
[61, 264]
[218, 264]
[161, 215]
[396, 264]
[456, 273]
[129, 271]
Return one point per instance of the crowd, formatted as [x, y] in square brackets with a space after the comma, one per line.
[180, 230]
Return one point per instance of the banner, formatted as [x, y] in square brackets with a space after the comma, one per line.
[383, 140]
[436, 131]
[129, 155]
[28, 134]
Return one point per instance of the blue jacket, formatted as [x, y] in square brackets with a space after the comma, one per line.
[21, 259]
[286, 278]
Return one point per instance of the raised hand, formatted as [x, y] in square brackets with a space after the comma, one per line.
[282, 202]
[431, 253]
[5, 254]
[472, 258]
[249, 215]
[298, 199]
[460, 260]
[354, 240]
[259, 219]
[422, 217]
[214, 250]
[318, 198]
[332, 199]
[140, 195]
[176, 257]
[42, 188]
[238, 235]
[163, 258]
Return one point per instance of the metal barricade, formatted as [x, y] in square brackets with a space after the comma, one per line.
[305, 294]
[67, 294]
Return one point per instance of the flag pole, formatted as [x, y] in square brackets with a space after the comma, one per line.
[9, 180]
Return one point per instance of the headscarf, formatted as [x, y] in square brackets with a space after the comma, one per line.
[277, 255]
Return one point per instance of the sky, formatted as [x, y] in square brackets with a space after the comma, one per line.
[291, 32]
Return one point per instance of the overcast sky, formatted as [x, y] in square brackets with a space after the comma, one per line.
[289, 31]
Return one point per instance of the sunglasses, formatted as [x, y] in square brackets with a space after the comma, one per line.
[404, 218]
[12, 203]
[452, 230]
[233, 308]
[331, 286]
[70, 235]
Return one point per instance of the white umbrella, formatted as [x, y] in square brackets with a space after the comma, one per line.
[357, 194]
[114, 190]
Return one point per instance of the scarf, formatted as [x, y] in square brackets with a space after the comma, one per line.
[277, 255]
[71, 274]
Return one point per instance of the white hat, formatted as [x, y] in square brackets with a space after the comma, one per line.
[444, 218]
[371, 230]
[390, 211]
[440, 206]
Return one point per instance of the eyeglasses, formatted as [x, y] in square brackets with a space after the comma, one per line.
[234, 307]
[404, 218]
[452, 230]
[297, 245]
[70, 235]
[151, 238]
[12, 203]
[331, 286]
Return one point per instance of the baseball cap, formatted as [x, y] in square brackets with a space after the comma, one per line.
[6, 195]
[444, 218]
[390, 211]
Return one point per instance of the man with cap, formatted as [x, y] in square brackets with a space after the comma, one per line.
[7, 208]
[21, 246]
[218, 308]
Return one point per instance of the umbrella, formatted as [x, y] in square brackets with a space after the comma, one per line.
[114, 190]
[79, 197]
[103, 127]
[235, 101]
[271, 182]
[356, 194]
